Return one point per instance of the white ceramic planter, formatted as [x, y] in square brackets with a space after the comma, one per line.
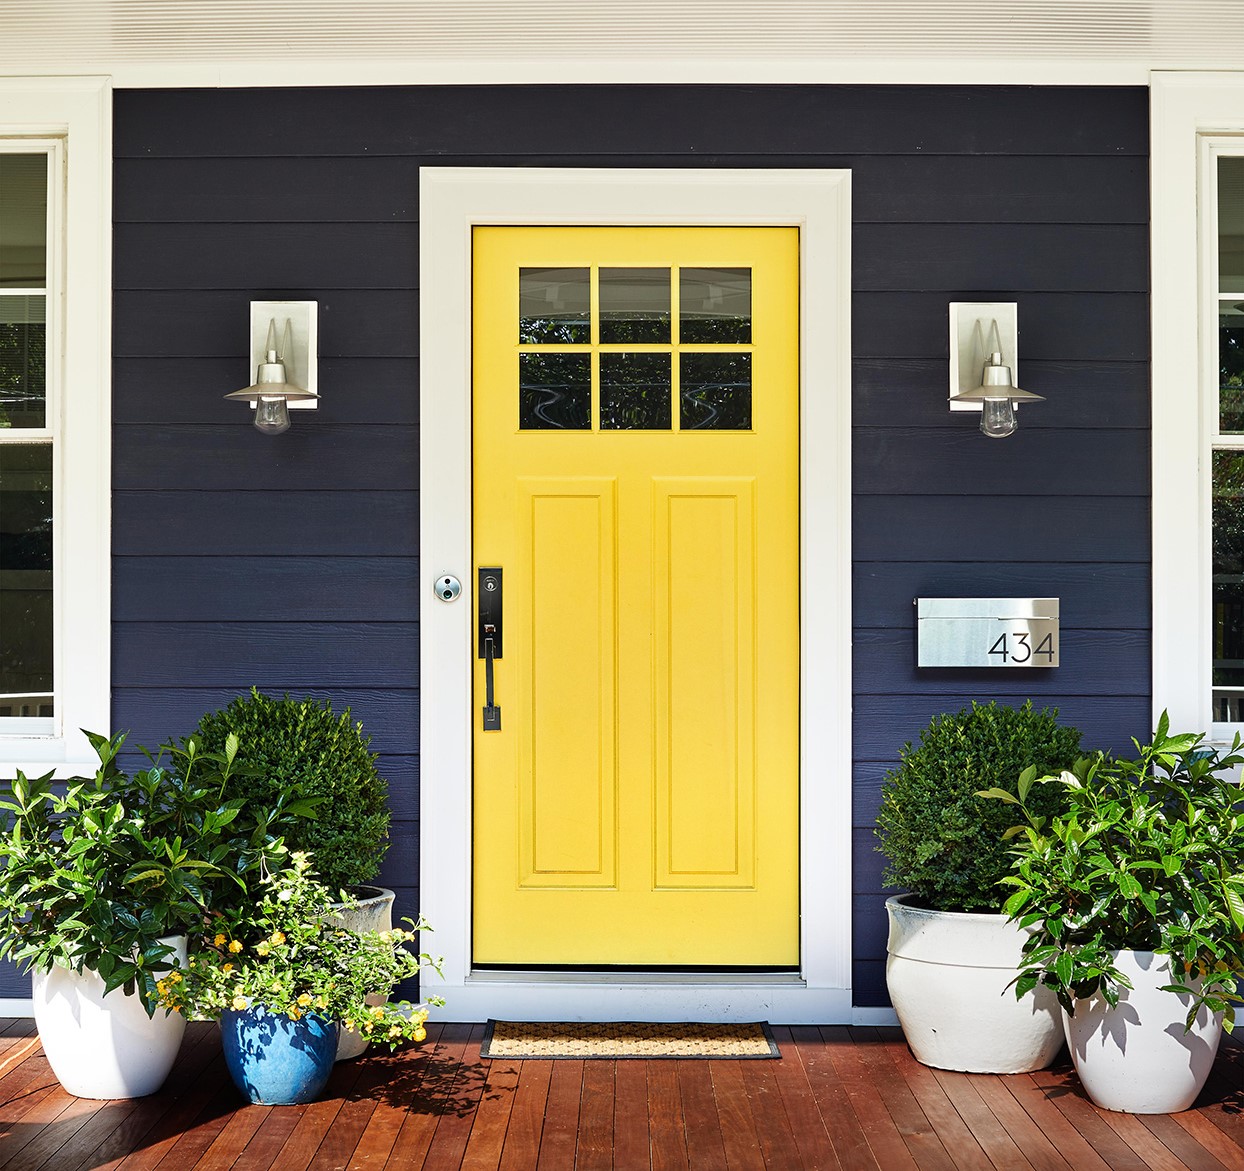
[1136, 1057]
[373, 913]
[948, 975]
[104, 1046]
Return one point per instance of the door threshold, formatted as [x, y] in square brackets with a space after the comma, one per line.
[694, 979]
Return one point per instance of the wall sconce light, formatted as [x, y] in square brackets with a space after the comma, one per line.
[984, 343]
[285, 374]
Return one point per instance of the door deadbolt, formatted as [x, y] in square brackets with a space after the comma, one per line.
[448, 587]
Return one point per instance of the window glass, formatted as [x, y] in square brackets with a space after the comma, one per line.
[23, 220]
[554, 392]
[26, 580]
[23, 361]
[716, 391]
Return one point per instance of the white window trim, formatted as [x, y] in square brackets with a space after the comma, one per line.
[79, 111]
[452, 201]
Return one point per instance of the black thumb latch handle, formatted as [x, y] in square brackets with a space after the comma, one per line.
[492, 713]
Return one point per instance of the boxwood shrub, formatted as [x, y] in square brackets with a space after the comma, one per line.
[301, 746]
[944, 844]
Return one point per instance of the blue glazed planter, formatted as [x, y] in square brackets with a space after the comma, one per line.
[274, 1060]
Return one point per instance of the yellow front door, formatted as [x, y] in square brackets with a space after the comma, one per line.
[636, 481]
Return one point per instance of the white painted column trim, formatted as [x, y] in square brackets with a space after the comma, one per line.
[452, 201]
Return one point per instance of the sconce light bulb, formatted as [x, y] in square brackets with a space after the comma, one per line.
[998, 418]
[271, 416]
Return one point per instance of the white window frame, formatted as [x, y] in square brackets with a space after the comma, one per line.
[452, 201]
[72, 117]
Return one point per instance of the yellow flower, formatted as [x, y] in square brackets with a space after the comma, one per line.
[220, 939]
[277, 937]
[367, 1026]
[378, 1012]
[161, 987]
[420, 1033]
[174, 977]
[304, 999]
[239, 1003]
[235, 946]
[227, 969]
[394, 1031]
[320, 1002]
[263, 948]
[294, 1013]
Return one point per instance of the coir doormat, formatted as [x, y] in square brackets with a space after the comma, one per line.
[559, 1040]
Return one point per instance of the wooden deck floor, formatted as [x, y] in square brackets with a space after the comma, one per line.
[848, 1098]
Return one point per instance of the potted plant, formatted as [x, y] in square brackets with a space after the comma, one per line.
[951, 953]
[285, 975]
[302, 746]
[1133, 892]
[101, 885]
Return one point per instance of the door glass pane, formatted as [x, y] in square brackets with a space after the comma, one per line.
[634, 305]
[25, 580]
[635, 392]
[23, 361]
[715, 392]
[554, 306]
[715, 305]
[554, 392]
[23, 220]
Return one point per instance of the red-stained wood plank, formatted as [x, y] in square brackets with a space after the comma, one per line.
[229, 1146]
[561, 1116]
[1181, 1144]
[1223, 1107]
[1053, 1124]
[45, 1129]
[1156, 1154]
[20, 1083]
[845, 1131]
[773, 1128]
[457, 1113]
[631, 1141]
[193, 1142]
[666, 1134]
[263, 1150]
[1017, 1123]
[1227, 1151]
[884, 1139]
[318, 1118]
[492, 1117]
[337, 1148]
[950, 1128]
[594, 1149]
[913, 1124]
[799, 1103]
[1061, 1087]
[734, 1114]
[989, 1132]
[701, 1122]
[396, 1079]
[433, 1095]
[522, 1137]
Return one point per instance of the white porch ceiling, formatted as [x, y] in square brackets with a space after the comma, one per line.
[647, 40]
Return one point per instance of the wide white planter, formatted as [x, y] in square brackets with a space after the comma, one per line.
[1136, 1057]
[949, 974]
[373, 913]
[104, 1046]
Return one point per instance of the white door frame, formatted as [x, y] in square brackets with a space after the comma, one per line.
[452, 201]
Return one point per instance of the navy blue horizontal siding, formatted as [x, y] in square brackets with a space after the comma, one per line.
[293, 563]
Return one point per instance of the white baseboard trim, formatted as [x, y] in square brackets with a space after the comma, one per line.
[873, 1016]
[17, 1007]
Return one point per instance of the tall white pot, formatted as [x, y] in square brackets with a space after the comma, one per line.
[1136, 1057]
[105, 1046]
[374, 912]
[948, 974]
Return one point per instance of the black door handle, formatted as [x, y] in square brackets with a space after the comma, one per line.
[489, 603]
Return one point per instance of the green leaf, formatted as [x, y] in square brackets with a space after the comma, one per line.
[997, 794]
[1064, 968]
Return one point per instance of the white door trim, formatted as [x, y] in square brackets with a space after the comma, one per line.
[452, 201]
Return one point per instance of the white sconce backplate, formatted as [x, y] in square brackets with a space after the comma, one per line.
[972, 340]
[300, 365]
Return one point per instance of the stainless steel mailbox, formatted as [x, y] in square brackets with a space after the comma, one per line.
[986, 632]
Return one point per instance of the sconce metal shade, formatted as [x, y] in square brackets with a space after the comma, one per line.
[273, 390]
[996, 386]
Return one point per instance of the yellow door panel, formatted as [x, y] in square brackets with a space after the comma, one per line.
[635, 432]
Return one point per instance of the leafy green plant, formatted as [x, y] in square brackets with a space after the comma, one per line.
[1145, 855]
[944, 844]
[292, 954]
[300, 746]
[96, 875]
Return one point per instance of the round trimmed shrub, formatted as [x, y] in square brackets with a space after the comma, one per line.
[300, 747]
[945, 844]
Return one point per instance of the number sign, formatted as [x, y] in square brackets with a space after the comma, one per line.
[987, 632]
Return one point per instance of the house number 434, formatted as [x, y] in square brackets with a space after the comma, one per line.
[1016, 647]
